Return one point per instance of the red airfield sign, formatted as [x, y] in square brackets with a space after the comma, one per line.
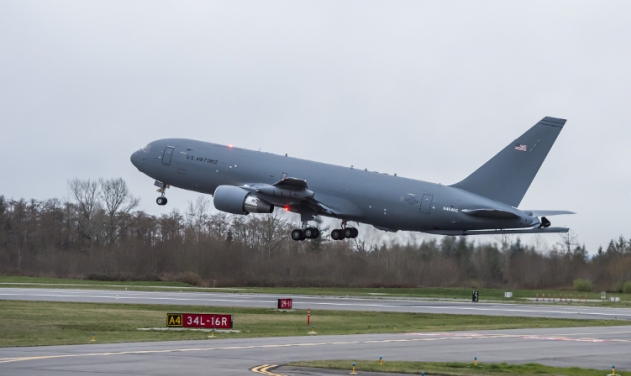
[285, 303]
[199, 320]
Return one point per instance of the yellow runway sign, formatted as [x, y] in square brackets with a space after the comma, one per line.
[174, 319]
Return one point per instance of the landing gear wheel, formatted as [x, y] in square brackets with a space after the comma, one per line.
[350, 232]
[311, 233]
[297, 235]
[337, 235]
[161, 201]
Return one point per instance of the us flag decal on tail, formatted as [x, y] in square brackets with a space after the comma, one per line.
[520, 147]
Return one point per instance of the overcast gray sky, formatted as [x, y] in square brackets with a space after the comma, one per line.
[429, 90]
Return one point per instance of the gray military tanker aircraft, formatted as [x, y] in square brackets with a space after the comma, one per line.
[245, 181]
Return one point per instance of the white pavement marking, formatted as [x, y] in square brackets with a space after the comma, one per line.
[347, 302]
[426, 337]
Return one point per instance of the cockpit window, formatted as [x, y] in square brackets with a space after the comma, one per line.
[146, 148]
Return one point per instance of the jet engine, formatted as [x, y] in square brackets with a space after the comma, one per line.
[237, 200]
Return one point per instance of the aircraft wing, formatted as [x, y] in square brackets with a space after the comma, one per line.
[290, 192]
[319, 207]
[546, 213]
[534, 230]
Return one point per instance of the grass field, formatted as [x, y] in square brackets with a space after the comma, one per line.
[26, 323]
[426, 292]
[432, 368]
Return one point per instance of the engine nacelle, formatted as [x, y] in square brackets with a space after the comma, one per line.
[237, 200]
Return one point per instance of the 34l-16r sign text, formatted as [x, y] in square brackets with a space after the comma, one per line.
[199, 320]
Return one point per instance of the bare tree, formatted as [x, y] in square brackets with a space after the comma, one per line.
[361, 247]
[49, 238]
[86, 196]
[119, 203]
[197, 216]
[568, 241]
[540, 244]
[273, 231]
[506, 241]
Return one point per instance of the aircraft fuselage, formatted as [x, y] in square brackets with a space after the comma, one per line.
[385, 201]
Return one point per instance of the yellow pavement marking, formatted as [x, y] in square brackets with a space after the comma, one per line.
[264, 370]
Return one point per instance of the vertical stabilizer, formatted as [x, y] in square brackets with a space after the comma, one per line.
[507, 176]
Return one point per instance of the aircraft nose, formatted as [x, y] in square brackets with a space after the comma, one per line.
[136, 158]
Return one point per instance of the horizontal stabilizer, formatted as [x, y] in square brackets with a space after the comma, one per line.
[489, 213]
[534, 230]
[546, 213]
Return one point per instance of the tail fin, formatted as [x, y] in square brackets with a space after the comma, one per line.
[507, 176]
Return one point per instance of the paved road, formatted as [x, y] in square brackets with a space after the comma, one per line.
[314, 302]
[584, 347]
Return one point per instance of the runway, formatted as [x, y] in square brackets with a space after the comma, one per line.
[583, 347]
[315, 302]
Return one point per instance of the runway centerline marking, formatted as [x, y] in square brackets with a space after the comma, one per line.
[516, 336]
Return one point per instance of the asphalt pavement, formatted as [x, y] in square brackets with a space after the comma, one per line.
[583, 347]
[384, 304]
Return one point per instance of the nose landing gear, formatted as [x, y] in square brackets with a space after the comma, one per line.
[161, 189]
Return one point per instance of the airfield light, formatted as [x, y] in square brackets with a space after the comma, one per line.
[230, 146]
[287, 208]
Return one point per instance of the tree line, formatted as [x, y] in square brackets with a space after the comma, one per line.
[99, 233]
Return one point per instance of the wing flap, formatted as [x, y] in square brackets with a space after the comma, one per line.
[534, 230]
[490, 213]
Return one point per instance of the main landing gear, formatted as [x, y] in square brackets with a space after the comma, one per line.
[345, 232]
[306, 233]
[161, 189]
